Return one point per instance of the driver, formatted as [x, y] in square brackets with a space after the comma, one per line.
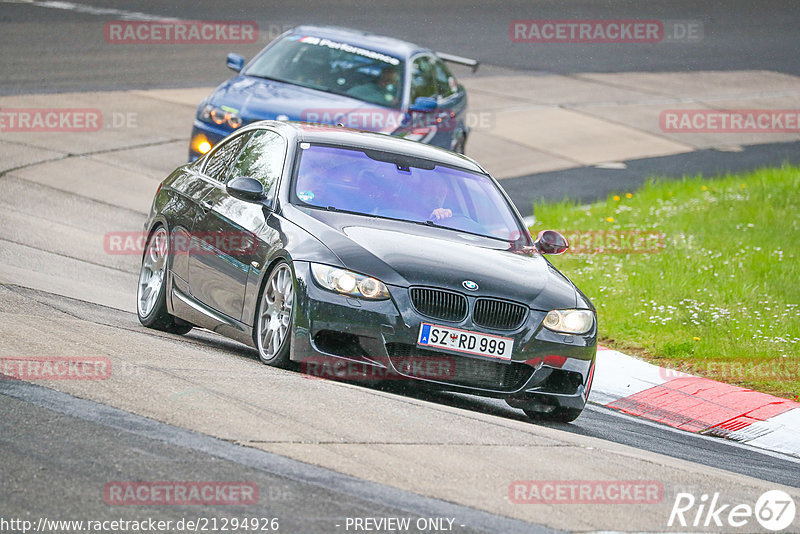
[434, 191]
[382, 91]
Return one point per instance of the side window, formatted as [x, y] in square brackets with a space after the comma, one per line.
[445, 81]
[262, 158]
[423, 79]
[220, 161]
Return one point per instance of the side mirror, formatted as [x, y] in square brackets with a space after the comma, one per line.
[235, 62]
[424, 104]
[247, 189]
[551, 242]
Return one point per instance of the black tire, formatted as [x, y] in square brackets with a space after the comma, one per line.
[154, 314]
[558, 415]
[275, 311]
[461, 145]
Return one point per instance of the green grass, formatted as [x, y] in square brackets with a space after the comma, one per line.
[719, 298]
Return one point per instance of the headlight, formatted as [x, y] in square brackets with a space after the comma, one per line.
[349, 283]
[201, 144]
[220, 115]
[569, 321]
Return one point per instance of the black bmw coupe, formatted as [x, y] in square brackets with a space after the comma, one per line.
[358, 255]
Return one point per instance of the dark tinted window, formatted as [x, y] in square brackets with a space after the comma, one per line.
[423, 78]
[220, 161]
[445, 81]
[262, 158]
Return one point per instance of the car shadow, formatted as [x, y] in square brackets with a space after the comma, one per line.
[409, 389]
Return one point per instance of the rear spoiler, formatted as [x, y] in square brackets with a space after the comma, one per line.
[472, 63]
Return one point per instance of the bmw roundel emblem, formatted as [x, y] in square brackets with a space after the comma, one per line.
[469, 285]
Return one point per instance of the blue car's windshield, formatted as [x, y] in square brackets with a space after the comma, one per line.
[399, 187]
[335, 67]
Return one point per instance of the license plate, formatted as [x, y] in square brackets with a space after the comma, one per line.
[444, 337]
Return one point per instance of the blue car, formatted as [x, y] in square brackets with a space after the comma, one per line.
[329, 75]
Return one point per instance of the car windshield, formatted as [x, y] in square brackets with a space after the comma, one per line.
[402, 187]
[334, 67]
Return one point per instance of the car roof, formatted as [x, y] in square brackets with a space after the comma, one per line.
[371, 41]
[339, 135]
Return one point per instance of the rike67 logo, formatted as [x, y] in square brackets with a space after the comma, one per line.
[774, 510]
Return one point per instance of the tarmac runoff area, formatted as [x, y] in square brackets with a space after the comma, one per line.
[63, 192]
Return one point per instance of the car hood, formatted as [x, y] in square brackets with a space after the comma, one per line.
[406, 254]
[261, 99]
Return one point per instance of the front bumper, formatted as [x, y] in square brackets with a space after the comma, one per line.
[340, 337]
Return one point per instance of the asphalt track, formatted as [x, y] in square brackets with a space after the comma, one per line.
[60, 450]
[47, 49]
[587, 184]
[46, 469]
[57, 50]
[54, 47]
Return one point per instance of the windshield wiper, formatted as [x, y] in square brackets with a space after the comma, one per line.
[340, 210]
[295, 82]
[453, 229]
[265, 77]
[425, 223]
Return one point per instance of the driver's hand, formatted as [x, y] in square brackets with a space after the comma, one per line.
[440, 213]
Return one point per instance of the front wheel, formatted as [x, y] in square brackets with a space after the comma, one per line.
[461, 145]
[275, 317]
[558, 415]
[151, 294]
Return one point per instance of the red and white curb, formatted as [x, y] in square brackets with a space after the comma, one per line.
[695, 404]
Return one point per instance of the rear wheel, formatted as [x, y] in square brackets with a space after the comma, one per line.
[151, 294]
[276, 316]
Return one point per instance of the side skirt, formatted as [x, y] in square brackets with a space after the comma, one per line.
[190, 309]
